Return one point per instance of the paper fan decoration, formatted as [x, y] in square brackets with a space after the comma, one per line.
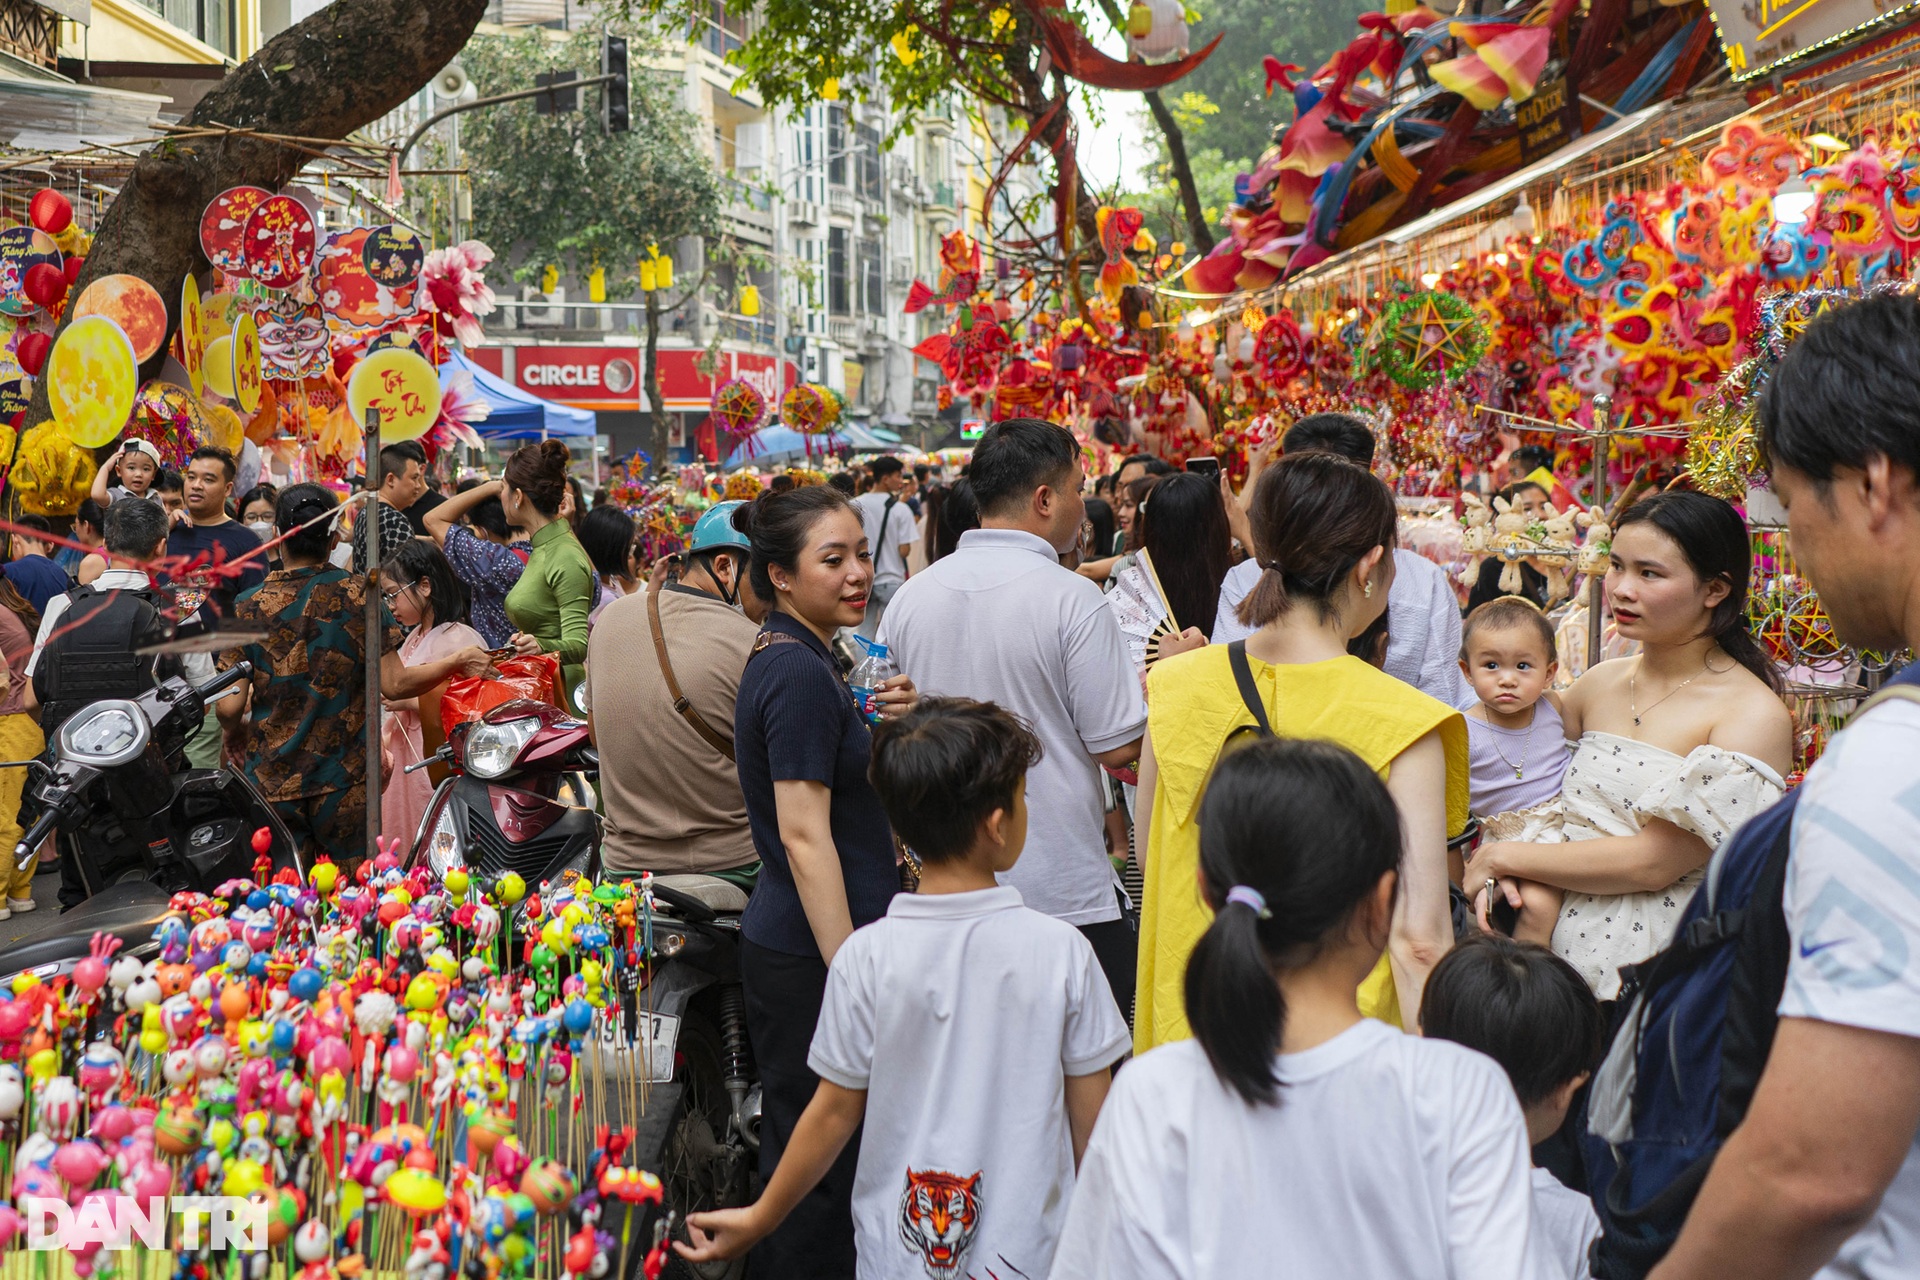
[1427, 338]
[278, 242]
[1281, 350]
[223, 227]
[1140, 607]
[738, 407]
[807, 410]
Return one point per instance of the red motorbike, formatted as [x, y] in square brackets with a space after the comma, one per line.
[520, 797]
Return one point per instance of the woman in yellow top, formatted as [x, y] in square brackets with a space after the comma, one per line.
[1323, 528]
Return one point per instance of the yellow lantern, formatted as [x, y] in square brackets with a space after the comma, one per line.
[648, 278]
[597, 284]
[550, 279]
[830, 89]
[902, 44]
[663, 272]
[750, 301]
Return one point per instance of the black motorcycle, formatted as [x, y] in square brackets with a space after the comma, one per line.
[138, 824]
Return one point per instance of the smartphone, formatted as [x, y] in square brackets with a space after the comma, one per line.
[1208, 467]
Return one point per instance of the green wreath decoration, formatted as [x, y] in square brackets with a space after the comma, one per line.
[1427, 338]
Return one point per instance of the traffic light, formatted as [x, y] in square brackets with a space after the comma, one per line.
[614, 117]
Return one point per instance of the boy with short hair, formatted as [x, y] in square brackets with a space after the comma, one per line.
[974, 1036]
[1531, 1012]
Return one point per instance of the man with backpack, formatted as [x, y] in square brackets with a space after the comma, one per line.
[84, 650]
[1766, 1081]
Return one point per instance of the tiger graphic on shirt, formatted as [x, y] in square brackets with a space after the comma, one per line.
[939, 1213]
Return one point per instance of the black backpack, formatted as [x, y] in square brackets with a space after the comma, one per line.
[1696, 1025]
[91, 655]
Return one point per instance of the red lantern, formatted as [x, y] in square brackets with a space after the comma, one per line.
[44, 284]
[72, 268]
[31, 352]
[50, 211]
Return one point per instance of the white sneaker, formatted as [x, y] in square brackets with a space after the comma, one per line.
[19, 904]
[5, 914]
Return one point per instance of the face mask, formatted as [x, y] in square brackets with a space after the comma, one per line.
[262, 529]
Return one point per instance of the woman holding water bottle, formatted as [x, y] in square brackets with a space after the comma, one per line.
[826, 851]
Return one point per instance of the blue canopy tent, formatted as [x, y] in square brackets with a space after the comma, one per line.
[515, 414]
[778, 445]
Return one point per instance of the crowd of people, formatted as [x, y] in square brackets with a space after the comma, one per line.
[1303, 923]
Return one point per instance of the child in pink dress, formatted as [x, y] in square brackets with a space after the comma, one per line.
[420, 588]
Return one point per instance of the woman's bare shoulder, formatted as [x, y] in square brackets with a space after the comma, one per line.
[1754, 721]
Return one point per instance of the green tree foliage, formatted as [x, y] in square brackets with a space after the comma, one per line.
[558, 190]
[1307, 32]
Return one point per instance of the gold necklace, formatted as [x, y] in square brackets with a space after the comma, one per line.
[1525, 743]
[1635, 707]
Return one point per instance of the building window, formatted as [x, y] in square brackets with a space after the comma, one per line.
[724, 32]
[208, 21]
[873, 300]
[839, 281]
[836, 145]
[869, 155]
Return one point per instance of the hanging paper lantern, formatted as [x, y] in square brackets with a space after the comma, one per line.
[1281, 350]
[44, 285]
[31, 352]
[1157, 29]
[50, 211]
[805, 409]
[739, 407]
[750, 301]
[170, 418]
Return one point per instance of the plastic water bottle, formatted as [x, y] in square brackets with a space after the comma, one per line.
[868, 675]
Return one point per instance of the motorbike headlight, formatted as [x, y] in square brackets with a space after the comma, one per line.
[492, 748]
[105, 734]
[443, 843]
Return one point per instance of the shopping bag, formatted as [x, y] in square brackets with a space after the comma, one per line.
[470, 697]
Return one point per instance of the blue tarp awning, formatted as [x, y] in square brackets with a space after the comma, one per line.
[778, 444]
[516, 414]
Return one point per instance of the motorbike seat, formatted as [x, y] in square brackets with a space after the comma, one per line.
[717, 895]
[129, 910]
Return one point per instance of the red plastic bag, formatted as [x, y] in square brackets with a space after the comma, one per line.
[470, 697]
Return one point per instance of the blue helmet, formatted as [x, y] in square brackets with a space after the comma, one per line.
[714, 530]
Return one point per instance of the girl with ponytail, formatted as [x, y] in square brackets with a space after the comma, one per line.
[1675, 747]
[1292, 1135]
[1323, 532]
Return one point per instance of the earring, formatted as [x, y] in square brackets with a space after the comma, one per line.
[1368, 591]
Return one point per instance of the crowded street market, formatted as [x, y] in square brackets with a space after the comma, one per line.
[1329, 713]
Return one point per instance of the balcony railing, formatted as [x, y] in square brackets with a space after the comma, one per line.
[942, 195]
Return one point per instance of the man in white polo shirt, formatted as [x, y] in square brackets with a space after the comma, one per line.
[1000, 620]
[1423, 614]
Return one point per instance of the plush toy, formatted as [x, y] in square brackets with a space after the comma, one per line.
[1476, 536]
[1560, 533]
[1510, 542]
[1596, 549]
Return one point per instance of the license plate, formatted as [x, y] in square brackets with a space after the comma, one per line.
[663, 1033]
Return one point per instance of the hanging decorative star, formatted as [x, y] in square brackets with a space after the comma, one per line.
[1429, 337]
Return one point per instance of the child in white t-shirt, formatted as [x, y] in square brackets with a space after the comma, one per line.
[1531, 1012]
[1292, 1137]
[139, 466]
[974, 1036]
